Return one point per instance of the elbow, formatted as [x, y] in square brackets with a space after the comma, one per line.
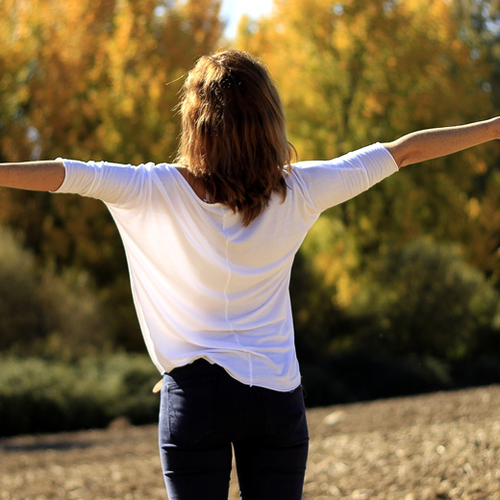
[401, 155]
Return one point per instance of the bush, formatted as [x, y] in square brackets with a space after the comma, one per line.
[75, 320]
[21, 311]
[425, 300]
[484, 370]
[361, 376]
[43, 312]
[46, 396]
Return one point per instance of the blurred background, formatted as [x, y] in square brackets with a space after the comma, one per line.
[394, 292]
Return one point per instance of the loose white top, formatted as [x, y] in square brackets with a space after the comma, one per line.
[205, 286]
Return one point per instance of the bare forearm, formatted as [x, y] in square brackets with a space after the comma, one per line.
[32, 175]
[433, 143]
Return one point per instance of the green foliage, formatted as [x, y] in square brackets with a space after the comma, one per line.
[100, 80]
[418, 318]
[315, 314]
[52, 396]
[75, 317]
[362, 375]
[425, 300]
[52, 314]
[21, 311]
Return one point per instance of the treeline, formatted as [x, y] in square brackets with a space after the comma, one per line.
[394, 292]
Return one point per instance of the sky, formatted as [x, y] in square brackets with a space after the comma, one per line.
[232, 10]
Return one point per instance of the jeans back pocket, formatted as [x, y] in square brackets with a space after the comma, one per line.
[190, 407]
[286, 422]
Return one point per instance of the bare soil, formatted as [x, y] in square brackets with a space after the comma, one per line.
[436, 446]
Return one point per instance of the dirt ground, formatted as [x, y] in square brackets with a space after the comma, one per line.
[437, 446]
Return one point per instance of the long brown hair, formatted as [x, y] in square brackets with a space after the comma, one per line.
[233, 132]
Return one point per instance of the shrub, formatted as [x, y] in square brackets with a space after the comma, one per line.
[361, 376]
[45, 396]
[43, 312]
[21, 313]
[75, 319]
[425, 300]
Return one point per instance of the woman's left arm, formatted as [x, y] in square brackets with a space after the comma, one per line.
[433, 143]
[33, 175]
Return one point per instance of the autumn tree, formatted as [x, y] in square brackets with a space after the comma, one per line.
[356, 72]
[479, 23]
[92, 80]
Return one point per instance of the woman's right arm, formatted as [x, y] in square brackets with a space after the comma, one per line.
[33, 175]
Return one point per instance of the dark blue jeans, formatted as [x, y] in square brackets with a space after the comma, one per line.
[205, 414]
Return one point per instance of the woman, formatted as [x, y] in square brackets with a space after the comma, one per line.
[210, 243]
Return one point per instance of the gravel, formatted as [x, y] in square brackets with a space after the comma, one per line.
[436, 446]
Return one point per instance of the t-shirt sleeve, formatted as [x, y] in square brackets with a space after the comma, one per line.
[113, 183]
[331, 182]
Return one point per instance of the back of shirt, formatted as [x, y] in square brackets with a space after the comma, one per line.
[206, 286]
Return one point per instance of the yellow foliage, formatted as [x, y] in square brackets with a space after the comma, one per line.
[355, 72]
[92, 80]
[100, 80]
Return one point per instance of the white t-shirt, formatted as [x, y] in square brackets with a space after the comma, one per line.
[205, 286]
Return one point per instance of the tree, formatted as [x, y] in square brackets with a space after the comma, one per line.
[92, 80]
[354, 72]
[479, 23]
[96, 80]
